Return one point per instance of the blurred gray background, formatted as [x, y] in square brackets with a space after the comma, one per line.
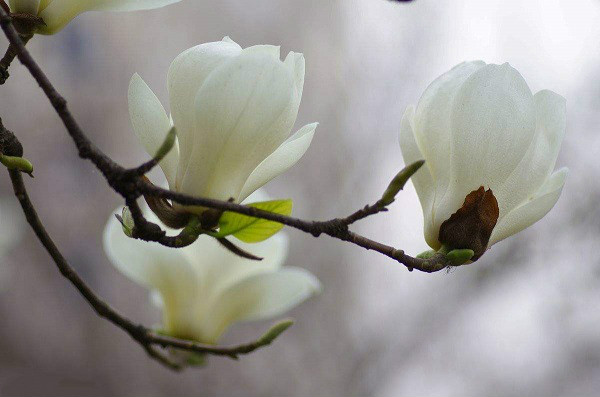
[524, 320]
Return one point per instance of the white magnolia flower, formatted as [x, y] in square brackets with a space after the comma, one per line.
[478, 126]
[204, 288]
[233, 110]
[57, 13]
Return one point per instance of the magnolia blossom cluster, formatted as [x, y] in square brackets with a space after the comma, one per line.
[490, 147]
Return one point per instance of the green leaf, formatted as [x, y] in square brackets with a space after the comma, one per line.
[274, 332]
[459, 256]
[253, 230]
[17, 163]
[399, 181]
[126, 220]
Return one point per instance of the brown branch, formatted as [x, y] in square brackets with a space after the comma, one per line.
[4, 6]
[25, 25]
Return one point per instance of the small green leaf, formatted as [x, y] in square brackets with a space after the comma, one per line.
[253, 230]
[126, 220]
[460, 256]
[17, 163]
[399, 181]
[274, 332]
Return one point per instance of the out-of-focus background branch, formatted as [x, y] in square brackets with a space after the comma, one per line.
[522, 320]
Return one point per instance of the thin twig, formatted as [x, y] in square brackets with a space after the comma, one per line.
[9, 56]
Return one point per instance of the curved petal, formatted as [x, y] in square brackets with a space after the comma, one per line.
[151, 124]
[221, 268]
[432, 121]
[261, 296]
[245, 110]
[159, 268]
[281, 160]
[422, 180]
[539, 161]
[532, 211]
[296, 65]
[57, 13]
[24, 6]
[493, 124]
[186, 75]
[272, 50]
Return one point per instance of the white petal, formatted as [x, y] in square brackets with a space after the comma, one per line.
[262, 296]
[186, 75]
[151, 124]
[532, 211]
[551, 111]
[493, 124]
[296, 64]
[228, 39]
[432, 121]
[422, 180]
[272, 50]
[57, 13]
[539, 161]
[282, 159]
[221, 268]
[245, 110]
[24, 6]
[166, 270]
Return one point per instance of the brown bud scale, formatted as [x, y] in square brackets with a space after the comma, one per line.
[471, 226]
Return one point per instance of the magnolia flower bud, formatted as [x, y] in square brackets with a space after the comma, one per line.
[233, 110]
[203, 289]
[57, 13]
[490, 147]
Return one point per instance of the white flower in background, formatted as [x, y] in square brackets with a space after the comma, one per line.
[204, 288]
[479, 126]
[57, 13]
[233, 110]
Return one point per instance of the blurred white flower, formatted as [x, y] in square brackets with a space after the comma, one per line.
[233, 110]
[57, 13]
[479, 126]
[203, 288]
